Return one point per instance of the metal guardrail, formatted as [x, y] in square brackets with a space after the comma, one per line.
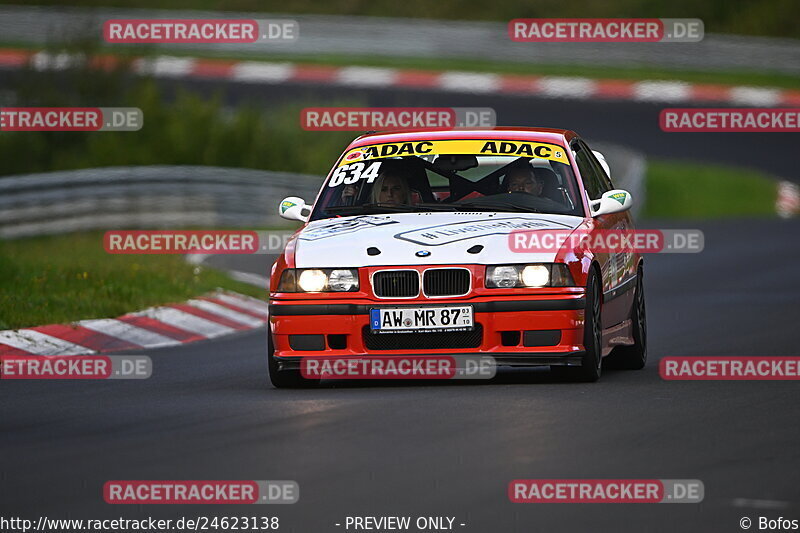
[403, 37]
[145, 197]
[181, 196]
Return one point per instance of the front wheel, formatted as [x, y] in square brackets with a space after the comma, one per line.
[634, 357]
[284, 378]
[591, 363]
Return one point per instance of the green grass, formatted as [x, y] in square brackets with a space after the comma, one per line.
[726, 77]
[59, 279]
[187, 130]
[597, 72]
[740, 77]
[690, 190]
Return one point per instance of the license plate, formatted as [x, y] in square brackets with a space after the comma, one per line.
[421, 319]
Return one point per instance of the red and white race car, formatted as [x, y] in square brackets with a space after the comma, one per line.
[407, 251]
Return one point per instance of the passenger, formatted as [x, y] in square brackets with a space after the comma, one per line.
[521, 178]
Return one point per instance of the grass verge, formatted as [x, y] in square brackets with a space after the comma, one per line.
[734, 77]
[59, 279]
[188, 130]
[64, 278]
[633, 73]
[698, 191]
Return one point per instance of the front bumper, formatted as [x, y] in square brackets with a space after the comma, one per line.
[545, 330]
[501, 359]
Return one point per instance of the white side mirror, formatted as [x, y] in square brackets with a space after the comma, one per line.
[613, 201]
[603, 163]
[294, 208]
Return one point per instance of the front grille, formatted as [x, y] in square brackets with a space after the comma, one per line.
[423, 341]
[396, 283]
[446, 282]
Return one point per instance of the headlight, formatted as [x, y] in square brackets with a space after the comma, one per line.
[343, 280]
[528, 276]
[312, 280]
[535, 276]
[318, 280]
[502, 277]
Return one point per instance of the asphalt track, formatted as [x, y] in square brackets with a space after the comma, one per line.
[450, 449]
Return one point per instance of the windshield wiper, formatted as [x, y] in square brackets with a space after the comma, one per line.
[370, 208]
[390, 207]
[437, 207]
[495, 206]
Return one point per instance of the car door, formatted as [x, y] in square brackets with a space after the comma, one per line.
[614, 266]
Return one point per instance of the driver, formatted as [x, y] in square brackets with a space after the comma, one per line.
[391, 188]
[521, 178]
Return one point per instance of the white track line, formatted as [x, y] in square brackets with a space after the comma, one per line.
[186, 321]
[128, 332]
[225, 312]
[38, 343]
[366, 76]
[562, 87]
[472, 82]
[167, 66]
[759, 504]
[245, 302]
[662, 91]
[263, 72]
[755, 96]
[255, 280]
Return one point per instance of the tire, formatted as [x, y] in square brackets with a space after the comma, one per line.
[634, 357]
[591, 363]
[284, 379]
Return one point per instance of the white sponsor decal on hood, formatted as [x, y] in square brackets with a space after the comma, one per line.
[470, 229]
[398, 237]
[346, 225]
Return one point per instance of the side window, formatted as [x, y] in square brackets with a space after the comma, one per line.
[592, 180]
[601, 172]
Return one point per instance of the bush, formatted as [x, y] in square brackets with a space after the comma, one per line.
[184, 129]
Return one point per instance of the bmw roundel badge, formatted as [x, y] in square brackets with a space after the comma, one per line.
[423, 253]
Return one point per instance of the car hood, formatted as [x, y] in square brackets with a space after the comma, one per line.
[422, 239]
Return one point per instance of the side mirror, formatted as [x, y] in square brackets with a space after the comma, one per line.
[603, 163]
[294, 208]
[613, 201]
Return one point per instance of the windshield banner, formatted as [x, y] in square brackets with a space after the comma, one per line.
[492, 147]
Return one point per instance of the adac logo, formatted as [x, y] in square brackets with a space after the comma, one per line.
[619, 196]
[286, 205]
[423, 253]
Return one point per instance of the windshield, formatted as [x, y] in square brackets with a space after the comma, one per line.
[451, 175]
